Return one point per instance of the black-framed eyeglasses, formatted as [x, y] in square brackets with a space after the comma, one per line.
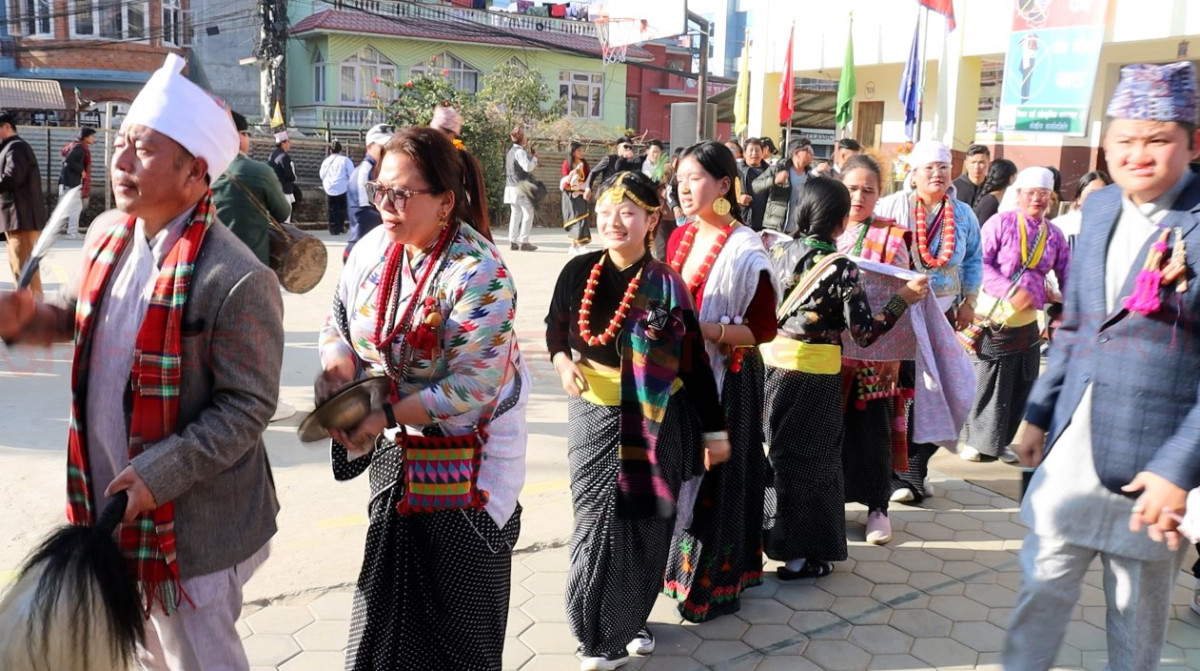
[396, 198]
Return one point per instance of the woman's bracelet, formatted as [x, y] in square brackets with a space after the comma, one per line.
[721, 337]
[714, 435]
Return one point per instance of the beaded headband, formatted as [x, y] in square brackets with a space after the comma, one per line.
[618, 192]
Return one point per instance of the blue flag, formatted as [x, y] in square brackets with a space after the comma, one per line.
[910, 84]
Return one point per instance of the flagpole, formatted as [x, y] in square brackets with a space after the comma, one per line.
[787, 130]
[921, 88]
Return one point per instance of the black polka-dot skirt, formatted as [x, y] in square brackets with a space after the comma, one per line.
[804, 441]
[433, 591]
[617, 563]
[720, 553]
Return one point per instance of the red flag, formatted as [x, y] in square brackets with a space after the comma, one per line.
[787, 93]
[943, 7]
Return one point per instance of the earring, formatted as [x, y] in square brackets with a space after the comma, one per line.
[721, 207]
[443, 219]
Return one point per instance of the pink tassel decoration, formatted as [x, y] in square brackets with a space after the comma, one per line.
[1145, 293]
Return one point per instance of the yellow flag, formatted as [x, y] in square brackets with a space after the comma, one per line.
[741, 101]
[277, 119]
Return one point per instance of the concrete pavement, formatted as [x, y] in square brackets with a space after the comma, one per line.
[937, 597]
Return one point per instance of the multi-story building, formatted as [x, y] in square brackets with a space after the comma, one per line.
[342, 51]
[651, 92]
[96, 50]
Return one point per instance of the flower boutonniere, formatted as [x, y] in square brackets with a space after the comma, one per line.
[1158, 270]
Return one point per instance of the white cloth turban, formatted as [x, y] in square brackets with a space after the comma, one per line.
[926, 152]
[176, 107]
[1034, 178]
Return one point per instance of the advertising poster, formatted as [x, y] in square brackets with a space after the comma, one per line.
[1050, 69]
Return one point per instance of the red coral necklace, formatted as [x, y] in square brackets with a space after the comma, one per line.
[585, 309]
[946, 249]
[685, 248]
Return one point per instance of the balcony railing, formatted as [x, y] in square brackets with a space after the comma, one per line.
[335, 117]
[410, 10]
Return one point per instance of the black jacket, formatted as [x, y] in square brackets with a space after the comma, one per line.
[21, 205]
[281, 163]
[74, 164]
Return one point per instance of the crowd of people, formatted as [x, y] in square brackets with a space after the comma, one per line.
[718, 348]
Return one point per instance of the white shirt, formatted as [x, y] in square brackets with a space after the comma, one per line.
[527, 164]
[118, 320]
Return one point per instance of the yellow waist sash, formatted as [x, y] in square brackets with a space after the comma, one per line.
[1004, 315]
[604, 386]
[783, 352]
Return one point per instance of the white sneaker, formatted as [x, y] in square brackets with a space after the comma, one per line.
[1008, 456]
[968, 453]
[603, 663]
[927, 486]
[902, 495]
[879, 528]
[642, 644]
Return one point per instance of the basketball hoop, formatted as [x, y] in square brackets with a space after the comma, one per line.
[611, 55]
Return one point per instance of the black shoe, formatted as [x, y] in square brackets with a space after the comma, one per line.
[813, 568]
[515, 247]
[526, 247]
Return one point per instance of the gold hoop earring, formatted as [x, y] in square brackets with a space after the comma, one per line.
[721, 207]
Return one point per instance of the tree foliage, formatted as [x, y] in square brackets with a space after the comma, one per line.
[511, 95]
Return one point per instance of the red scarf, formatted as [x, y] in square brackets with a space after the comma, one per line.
[149, 542]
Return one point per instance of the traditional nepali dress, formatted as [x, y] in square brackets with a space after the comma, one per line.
[719, 552]
[622, 537]
[575, 211]
[1009, 356]
[950, 282]
[876, 434]
[434, 587]
[804, 404]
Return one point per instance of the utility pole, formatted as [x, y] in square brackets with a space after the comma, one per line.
[270, 53]
[702, 79]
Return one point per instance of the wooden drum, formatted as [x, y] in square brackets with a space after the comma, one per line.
[299, 259]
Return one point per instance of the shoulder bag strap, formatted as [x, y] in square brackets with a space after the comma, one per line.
[258, 204]
[806, 285]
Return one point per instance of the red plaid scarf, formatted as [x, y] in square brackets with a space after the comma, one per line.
[149, 542]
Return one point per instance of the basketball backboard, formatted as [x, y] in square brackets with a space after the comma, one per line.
[636, 21]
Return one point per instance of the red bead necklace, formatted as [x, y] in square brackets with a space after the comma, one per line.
[947, 247]
[685, 248]
[389, 291]
[585, 308]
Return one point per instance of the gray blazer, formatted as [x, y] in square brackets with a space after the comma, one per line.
[1144, 370]
[214, 467]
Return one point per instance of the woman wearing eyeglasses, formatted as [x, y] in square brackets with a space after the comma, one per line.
[946, 248]
[1020, 248]
[426, 300]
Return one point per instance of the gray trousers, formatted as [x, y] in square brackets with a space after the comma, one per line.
[520, 221]
[1137, 592]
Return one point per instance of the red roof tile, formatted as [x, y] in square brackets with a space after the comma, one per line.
[361, 22]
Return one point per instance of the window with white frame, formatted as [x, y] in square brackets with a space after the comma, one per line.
[363, 74]
[172, 23]
[31, 18]
[461, 75]
[318, 64]
[584, 93]
[116, 19]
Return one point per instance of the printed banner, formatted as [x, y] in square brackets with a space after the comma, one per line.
[1050, 69]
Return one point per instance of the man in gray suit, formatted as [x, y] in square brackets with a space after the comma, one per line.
[1118, 403]
[187, 448]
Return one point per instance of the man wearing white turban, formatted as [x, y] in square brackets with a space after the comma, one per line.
[178, 318]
